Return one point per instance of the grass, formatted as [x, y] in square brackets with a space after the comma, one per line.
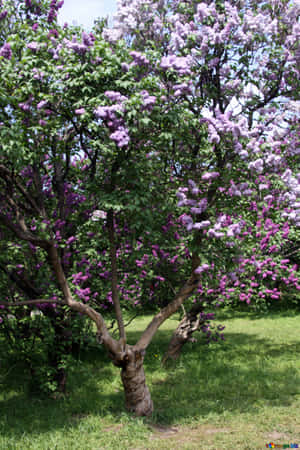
[240, 394]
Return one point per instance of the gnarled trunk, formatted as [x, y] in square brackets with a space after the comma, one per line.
[137, 395]
[183, 333]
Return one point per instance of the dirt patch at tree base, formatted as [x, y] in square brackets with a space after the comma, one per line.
[186, 434]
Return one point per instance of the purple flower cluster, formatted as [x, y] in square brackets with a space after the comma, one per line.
[34, 46]
[111, 116]
[181, 64]
[148, 100]
[207, 176]
[83, 47]
[139, 58]
[79, 111]
[203, 268]
[5, 51]
[3, 14]
[121, 137]
[54, 7]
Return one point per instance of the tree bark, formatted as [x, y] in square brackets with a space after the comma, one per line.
[190, 323]
[137, 395]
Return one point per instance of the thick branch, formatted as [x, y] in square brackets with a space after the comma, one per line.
[166, 312]
[55, 262]
[114, 277]
[22, 233]
[21, 188]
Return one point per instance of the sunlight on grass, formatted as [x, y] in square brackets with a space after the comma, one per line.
[241, 393]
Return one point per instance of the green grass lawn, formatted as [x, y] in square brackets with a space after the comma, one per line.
[239, 394]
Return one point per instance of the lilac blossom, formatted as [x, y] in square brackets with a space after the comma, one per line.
[207, 176]
[5, 51]
[201, 225]
[121, 137]
[41, 104]
[181, 64]
[148, 100]
[187, 221]
[139, 58]
[34, 46]
[3, 14]
[80, 111]
[202, 268]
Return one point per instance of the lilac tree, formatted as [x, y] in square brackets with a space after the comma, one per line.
[235, 69]
[161, 154]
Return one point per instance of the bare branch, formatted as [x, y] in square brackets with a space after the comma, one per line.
[19, 186]
[32, 302]
[111, 344]
[22, 233]
[166, 312]
[113, 259]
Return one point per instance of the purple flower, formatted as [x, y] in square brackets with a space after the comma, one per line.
[179, 63]
[201, 225]
[3, 14]
[139, 58]
[51, 16]
[71, 240]
[187, 221]
[196, 210]
[148, 100]
[35, 26]
[121, 137]
[60, 4]
[53, 33]
[202, 268]
[87, 39]
[209, 176]
[79, 111]
[257, 165]
[5, 51]
[98, 214]
[24, 106]
[33, 46]
[41, 104]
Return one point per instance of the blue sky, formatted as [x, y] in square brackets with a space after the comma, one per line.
[83, 12]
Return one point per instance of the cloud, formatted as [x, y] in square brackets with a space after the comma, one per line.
[78, 12]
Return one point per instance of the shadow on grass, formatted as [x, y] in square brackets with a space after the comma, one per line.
[246, 313]
[237, 376]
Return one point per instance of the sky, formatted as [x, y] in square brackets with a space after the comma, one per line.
[83, 12]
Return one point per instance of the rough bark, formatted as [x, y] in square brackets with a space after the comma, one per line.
[137, 395]
[188, 325]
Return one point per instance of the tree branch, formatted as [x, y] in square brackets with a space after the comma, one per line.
[113, 259]
[166, 312]
[32, 302]
[111, 344]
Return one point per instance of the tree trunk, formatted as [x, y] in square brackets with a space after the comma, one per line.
[137, 395]
[188, 325]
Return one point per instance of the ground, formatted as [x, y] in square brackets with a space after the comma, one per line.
[240, 394]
